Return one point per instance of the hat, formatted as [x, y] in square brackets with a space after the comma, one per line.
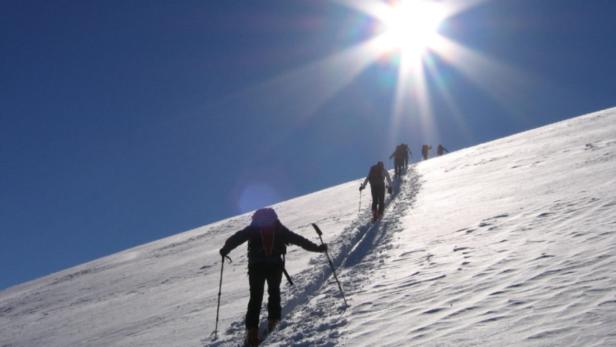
[264, 217]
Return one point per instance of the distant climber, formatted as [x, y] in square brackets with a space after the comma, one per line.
[407, 154]
[398, 157]
[425, 151]
[440, 150]
[267, 244]
[376, 177]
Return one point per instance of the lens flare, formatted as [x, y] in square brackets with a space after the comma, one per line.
[411, 27]
[257, 195]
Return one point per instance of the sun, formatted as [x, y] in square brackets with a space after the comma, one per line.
[410, 27]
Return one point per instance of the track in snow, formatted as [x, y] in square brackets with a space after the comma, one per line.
[314, 308]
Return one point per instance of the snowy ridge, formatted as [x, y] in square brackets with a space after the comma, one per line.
[511, 242]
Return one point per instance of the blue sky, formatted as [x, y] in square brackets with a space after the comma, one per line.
[123, 122]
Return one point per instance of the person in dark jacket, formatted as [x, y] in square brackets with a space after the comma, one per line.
[398, 156]
[425, 151]
[440, 150]
[267, 243]
[407, 154]
[376, 177]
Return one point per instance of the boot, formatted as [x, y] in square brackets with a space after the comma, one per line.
[375, 215]
[252, 337]
[271, 324]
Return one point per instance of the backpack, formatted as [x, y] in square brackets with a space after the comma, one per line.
[267, 239]
[375, 175]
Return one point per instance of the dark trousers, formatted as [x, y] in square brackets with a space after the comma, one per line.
[378, 197]
[258, 274]
[398, 165]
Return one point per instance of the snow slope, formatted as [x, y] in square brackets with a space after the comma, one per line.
[511, 242]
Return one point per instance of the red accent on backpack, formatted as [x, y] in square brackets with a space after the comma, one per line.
[267, 239]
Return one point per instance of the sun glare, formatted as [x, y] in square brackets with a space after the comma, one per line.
[403, 34]
[410, 27]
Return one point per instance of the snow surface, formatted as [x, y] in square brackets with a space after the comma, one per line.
[511, 242]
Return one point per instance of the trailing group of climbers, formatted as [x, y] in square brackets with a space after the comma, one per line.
[378, 174]
[268, 238]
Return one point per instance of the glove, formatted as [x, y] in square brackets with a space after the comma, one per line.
[223, 251]
[389, 190]
[322, 248]
[361, 187]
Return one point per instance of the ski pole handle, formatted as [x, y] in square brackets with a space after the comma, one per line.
[317, 229]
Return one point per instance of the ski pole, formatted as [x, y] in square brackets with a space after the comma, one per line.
[222, 265]
[359, 208]
[331, 264]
